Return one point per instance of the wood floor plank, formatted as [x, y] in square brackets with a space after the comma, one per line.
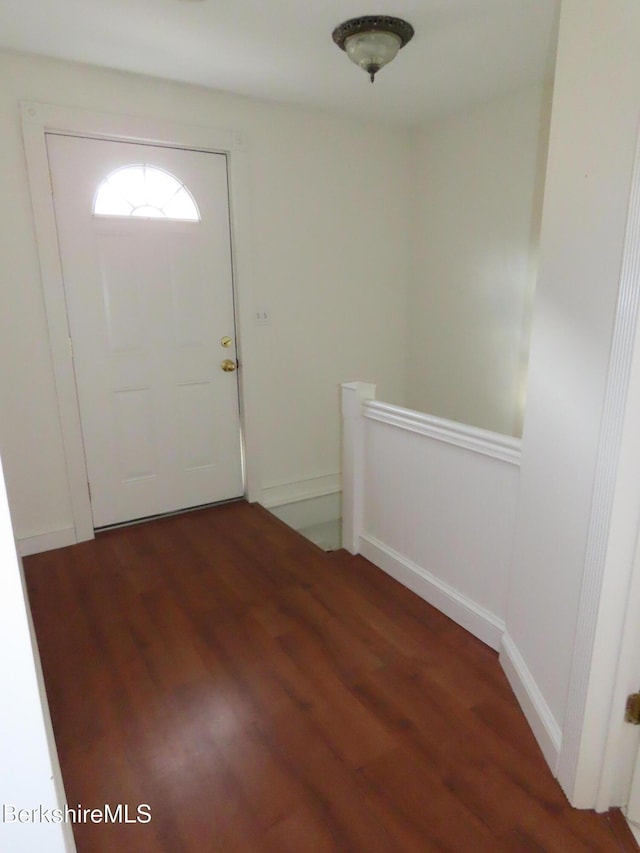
[419, 796]
[349, 817]
[261, 695]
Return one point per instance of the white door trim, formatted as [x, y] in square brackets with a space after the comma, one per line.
[39, 119]
[590, 756]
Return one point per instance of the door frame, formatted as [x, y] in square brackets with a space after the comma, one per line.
[39, 119]
[598, 748]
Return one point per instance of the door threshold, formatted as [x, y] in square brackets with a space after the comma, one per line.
[184, 511]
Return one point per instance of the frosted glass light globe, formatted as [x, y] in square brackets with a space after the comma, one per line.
[372, 50]
[372, 41]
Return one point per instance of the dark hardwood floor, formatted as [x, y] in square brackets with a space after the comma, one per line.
[261, 695]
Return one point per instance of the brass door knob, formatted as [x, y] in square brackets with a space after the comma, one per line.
[228, 365]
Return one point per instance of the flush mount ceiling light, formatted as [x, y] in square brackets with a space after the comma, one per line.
[373, 40]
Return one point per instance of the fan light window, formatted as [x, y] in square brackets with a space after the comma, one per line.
[145, 191]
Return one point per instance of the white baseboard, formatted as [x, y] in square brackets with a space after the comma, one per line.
[471, 616]
[58, 537]
[301, 490]
[543, 724]
[58, 782]
[635, 829]
[305, 503]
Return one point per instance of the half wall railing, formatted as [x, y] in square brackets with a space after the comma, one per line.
[432, 503]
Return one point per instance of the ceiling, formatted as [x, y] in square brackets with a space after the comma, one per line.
[463, 50]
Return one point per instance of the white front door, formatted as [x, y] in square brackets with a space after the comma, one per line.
[149, 301]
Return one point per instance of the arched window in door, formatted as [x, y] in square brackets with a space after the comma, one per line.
[145, 191]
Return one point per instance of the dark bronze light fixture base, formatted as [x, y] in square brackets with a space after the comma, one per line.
[372, 40]
[373, 23]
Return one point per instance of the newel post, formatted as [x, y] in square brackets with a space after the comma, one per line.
[354, 394]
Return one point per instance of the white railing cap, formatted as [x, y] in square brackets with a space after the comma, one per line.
[494, 444]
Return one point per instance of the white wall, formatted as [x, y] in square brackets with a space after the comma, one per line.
[331, 245]
[28, 766]
[439, 503]
[478, 192]
[596, 110]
